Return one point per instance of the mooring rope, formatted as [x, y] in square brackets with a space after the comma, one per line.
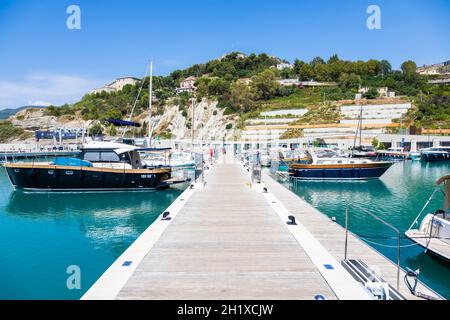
[391, 246]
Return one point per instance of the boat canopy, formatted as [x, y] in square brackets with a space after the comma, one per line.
[105, 145]
[123, 123]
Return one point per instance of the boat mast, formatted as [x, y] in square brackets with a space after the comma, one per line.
[360, 125]
[150, 96]
[357, 129]
[193, 121]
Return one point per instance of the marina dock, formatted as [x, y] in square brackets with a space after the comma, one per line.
[228, 239]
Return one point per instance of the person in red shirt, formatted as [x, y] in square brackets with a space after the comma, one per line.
[211, 153]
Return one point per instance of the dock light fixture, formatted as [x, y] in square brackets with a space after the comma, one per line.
[333, 219]
[192, 186]
[166, 216]
[291, 221]
[265, 190]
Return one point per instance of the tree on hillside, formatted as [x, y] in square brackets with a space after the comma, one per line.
[350, 81]
[316, 61]
[242, 96]
[202, 85]
[385, 68]
[218, 87]
[224, 69]
[333, 59]
[371, 94]
[372, 68]
[306, 72]
[265, 85]
[322, 72]
[409, 69]
[359, 68]
[287, 73]
[298, 64]
[113, 113]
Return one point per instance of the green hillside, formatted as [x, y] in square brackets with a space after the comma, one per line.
[247, 85]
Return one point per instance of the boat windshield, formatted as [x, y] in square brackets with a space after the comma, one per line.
[326, 153]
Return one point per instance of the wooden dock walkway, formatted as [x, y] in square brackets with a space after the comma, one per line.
[226, 243]
[228, 240]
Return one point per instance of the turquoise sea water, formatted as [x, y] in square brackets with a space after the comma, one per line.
[397, 198]
[42, 234]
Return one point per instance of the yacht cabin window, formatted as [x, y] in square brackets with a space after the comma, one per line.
[93, 156]
[109, 156]
[105, 156]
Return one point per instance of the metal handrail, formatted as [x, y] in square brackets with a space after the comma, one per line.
[382, 221]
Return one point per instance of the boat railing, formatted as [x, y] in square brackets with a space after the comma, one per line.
[347, 223]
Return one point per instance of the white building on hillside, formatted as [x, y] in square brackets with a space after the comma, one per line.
[383, 92]
[117, 85]
[187, 85]
[435, 69]
[284, 65]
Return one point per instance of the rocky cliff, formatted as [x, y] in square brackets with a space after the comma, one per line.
[208, 121]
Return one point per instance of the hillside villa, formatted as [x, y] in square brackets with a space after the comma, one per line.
[187, 85]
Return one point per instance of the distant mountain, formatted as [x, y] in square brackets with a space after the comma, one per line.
[6, 113]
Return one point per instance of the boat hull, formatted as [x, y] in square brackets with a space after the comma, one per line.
[59, 178]
[322, 172]
[415, 157]
[436, 157]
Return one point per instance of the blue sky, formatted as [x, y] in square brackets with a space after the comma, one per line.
[41, 61]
